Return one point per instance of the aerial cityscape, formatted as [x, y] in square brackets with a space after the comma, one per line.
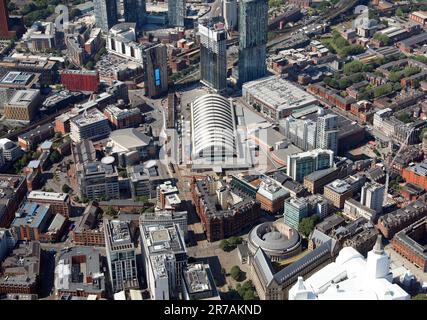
[213, 150]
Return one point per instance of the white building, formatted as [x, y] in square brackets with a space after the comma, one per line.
[354, 210]
[380, 116]
[120, 255]
[92, 124]
[372, 196]
[351, 277]
[213, 128]
[124, 141]
[11, 151]
[164, 258]
[327, 132]
[301, 164]
[121, 41]
[40, 37]
[302, 132]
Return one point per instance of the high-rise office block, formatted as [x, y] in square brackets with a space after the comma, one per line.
[4, 21]
[253, 27]
[156, 70]
[294, 211]
[302, 132]
[105, 14]
[327, 132]
[301, 164]
[120, 255]
[213, 56]
[229, 10]
[176, 13]
[372, 196]
[135, 11]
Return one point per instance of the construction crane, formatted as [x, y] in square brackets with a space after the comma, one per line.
[388, 167]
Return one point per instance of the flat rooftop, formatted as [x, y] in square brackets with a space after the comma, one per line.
[48, 196]
[17, 78]
[89, 117]
[278, 93]
[23, 98]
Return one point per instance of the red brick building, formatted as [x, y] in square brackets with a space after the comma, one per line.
[59, 202]
[220, 222]
[416, 176]
[80, 80]
[419, 17]
[123, 118]
[89, 231]
[410, 243]
[4, 21]
[14, 188]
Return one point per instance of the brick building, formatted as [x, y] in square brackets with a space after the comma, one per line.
[21, 270]
[13, 192]
[224, 211]
[391, 223]
[419, 17]
[29, 140]
[80, 80]
[416, 174]
[89, 230]
[411, 243]
[58, 202]
[123, 118]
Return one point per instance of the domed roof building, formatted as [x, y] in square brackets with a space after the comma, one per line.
[213, 127]
[278, 240]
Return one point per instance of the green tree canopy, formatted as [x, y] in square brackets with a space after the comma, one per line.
[353, 67]
[306, 226]
[66, 188]
[236, 273]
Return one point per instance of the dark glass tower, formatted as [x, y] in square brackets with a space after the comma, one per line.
[176, 13]
[253, 28]
[135, 11]
[105, 14]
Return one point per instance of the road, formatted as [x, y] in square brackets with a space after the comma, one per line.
[340, 8]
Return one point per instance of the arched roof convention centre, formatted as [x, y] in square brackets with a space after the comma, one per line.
[213, 127]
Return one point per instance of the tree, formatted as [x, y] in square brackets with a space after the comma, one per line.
[234, 241]
[306, 226]
[90, 65]
[382, 38]
[55, 157]
[225, 245]
[236, 273]
[75, 12]
[423, 132]
[353, 67]
[405, 117]
[399, 12]
[123, 174]
[111, 211]
[66, 188]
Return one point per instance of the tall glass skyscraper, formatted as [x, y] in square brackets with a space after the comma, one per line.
[176, 13]
[253, 28]
[213, 56]
[105, 14]
[135, 11]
